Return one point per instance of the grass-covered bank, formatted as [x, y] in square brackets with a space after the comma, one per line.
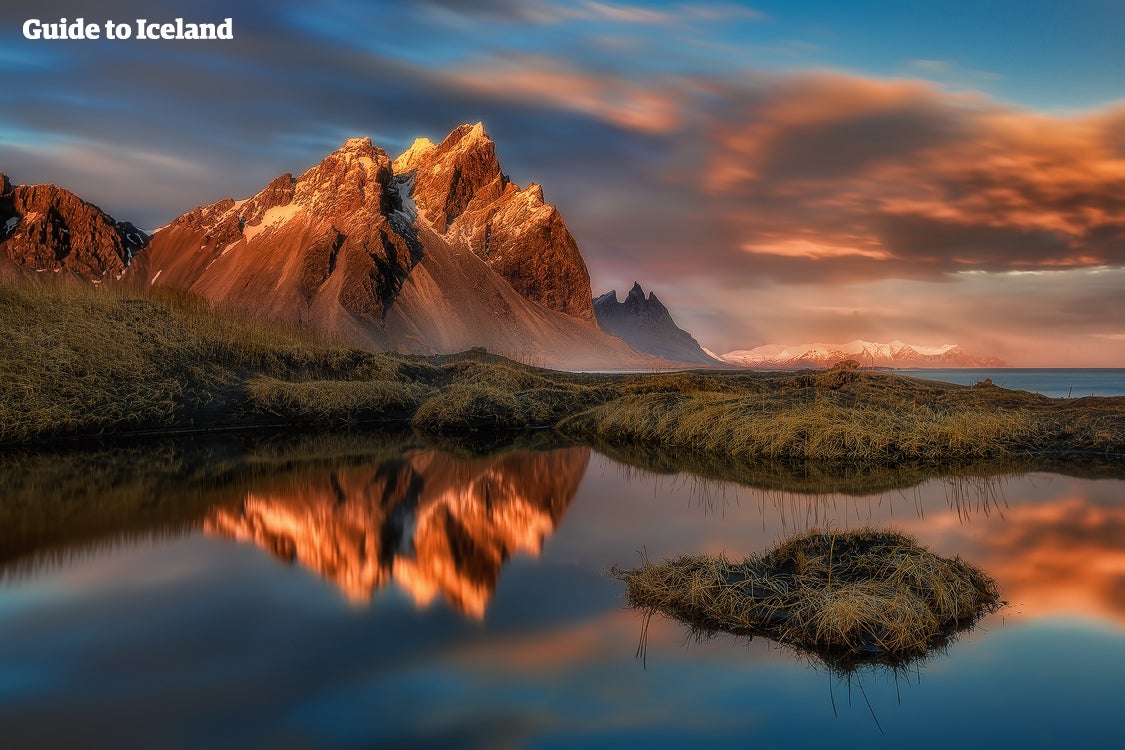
[81, 361]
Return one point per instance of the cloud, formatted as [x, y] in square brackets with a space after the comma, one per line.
[591, 11]
[505, 11]
[950, 74]
[548, 82]
[903, 172]
[625, 13]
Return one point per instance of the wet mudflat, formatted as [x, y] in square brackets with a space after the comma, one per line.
[349, 591]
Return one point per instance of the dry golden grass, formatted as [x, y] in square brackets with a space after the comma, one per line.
[334, 401]
[848, 598]
[79, 360]
[772, 426]
[467, 407]
[847, 416]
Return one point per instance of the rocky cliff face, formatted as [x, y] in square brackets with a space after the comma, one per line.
[462, 194]
[646, 325]
[44, 228]
[330, 245]
[436, 525]
[435, 252]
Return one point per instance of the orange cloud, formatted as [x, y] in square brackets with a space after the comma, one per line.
[943, 181]
[634, 105]
[806, 248]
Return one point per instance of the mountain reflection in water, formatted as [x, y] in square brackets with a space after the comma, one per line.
[434, 524]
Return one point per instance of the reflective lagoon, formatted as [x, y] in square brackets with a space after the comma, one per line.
[362, 591]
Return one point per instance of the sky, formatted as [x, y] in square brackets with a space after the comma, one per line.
[777, 172]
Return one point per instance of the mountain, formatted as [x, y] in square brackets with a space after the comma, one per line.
[646, 325]
[434, 524]
[434, 252]
[44, 228]
[867, 353]
[460, 191]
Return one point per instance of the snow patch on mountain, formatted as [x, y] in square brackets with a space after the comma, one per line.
[273, 217]
[867, 353]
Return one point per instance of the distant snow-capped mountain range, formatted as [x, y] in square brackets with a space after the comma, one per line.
[867, 353]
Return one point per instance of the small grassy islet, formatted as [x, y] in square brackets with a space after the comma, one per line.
[848, 598]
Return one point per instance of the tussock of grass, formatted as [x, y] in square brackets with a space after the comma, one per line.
[334, 401]
[848, 598]
[469, 407]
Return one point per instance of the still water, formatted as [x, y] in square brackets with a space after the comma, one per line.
[1055, 383]
[356, 595]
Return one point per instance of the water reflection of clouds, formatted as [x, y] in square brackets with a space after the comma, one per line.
[1056, 544]
[1062, 557]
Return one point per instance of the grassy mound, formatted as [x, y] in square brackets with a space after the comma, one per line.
[467, 407]
[820, 429]
[848, 598]
[334, 401]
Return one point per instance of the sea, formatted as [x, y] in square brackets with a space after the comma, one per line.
[1053, 382]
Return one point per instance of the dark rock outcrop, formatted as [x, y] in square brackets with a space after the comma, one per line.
[44, 228]
[646, 325]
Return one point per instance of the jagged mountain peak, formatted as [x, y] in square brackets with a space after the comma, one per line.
[639, 301]
[449, 176]
[466, 135]
[462, 194]
[646, 325]
[361, 146]
[409, 159]
[48, 228]
[318, 247]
